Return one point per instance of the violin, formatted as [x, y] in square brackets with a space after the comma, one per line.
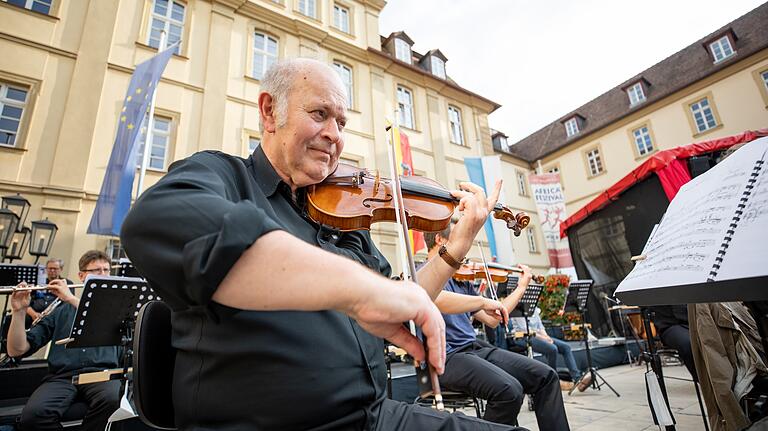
[470, 271]
[353, 198]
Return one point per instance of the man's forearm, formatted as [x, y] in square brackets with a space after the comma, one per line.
[304, 277]
[17, 336]
[456, 303]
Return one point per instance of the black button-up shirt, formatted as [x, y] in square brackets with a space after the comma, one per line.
[239, 369]
[64, 362]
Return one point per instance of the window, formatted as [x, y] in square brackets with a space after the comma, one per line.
[703, 116]
[764, 77]
[308, 8]
[167, 15]
[42, 6]
[594, 162]
[13, 99]
[405, 105]
[161, 134]
[522, 188]
[438, 66]
[253, 142]
[345, 72]
[457, 132]
[115, 250]
[264, 54]
[503, 143]
[572, 127]
[402, 50]
[643, 142]
[341, 18]
[636, 94]
[721, 49]
[531, 240]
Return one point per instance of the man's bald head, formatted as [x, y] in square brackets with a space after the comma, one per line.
[292, 73]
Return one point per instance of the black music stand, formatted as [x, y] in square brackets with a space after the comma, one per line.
[578, 294]
[107, 314]
[526, 308]
[126, 269]
[12, 274]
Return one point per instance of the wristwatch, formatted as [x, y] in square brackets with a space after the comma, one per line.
[450, 260]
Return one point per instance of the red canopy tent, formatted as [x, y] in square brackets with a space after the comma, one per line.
[671, 179]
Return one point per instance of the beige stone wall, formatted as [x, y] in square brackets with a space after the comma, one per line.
[78, 62]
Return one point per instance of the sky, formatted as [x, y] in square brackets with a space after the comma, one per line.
[542, 59]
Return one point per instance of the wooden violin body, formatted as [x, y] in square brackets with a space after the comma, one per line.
[353, 199]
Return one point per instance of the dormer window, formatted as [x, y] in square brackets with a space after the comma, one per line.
[721, 49]
[636, 94]
[403, 51]
[503, 143]
[572, 126]
[438, 66]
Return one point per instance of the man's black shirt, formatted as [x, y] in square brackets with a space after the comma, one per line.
[241, 369]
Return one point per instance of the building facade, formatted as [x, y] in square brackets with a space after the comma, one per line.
[65, 68]
[714, 88]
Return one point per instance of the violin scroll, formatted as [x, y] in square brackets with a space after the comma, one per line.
[515, 222]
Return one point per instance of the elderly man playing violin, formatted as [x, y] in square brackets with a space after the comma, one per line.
[485, 371]
[277, 320]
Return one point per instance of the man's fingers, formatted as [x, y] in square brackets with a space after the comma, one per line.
[494, 197]
[404, 339]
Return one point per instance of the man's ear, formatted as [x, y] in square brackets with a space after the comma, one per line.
[267, 112]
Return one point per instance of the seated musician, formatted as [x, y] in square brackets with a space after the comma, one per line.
[550, 347]
[56, 394]
[671, 322]
[480, 369]
[276, 318]
[41, 299]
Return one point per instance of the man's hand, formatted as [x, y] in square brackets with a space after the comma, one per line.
[59, 288]
[475, 208]
[20, 300]
[383, 312]
[526, 276]
[496, 310]
[32, 313]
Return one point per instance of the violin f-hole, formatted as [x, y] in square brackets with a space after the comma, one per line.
[367, 201]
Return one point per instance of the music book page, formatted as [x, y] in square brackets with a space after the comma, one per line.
[685, 246]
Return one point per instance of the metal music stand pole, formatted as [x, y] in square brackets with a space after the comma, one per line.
[578, 302]
[656, 364]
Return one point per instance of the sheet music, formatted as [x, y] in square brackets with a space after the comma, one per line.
[685, 245]
[749, 242]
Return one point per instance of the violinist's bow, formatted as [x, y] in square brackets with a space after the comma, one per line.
[426, 375]
[491, 288]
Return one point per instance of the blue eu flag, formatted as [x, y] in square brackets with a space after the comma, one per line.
[115, 195]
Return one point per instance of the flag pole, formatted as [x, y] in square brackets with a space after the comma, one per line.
[150, 127]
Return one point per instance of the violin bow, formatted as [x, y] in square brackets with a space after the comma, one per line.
[491, 288]
[425, 373]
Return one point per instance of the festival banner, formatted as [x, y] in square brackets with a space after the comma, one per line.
[404, 162]
[550, 203]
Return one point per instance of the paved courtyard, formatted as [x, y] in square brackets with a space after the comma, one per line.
[593, 410]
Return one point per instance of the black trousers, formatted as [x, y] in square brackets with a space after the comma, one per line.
[678, 337]
[395, 415]
[502, 378]
[51, 399]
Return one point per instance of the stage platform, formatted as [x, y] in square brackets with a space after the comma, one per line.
[606, 353]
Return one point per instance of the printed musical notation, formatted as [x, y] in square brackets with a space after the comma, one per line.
[715, 227]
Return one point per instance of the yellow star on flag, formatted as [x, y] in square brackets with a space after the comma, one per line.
[130, 126]
[124, 108]
[129, 98]
[122, 119]
[138, 91]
